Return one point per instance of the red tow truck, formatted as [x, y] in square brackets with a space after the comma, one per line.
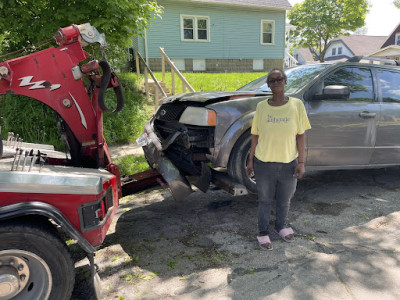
[42, 191]
[46, 195]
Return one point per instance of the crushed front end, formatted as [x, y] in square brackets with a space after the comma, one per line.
[176, 141]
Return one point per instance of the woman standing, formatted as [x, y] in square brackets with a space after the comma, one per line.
[277, 155]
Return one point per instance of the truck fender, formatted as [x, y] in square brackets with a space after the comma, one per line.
[32, 208]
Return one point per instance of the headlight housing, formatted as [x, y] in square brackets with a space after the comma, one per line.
[199, 116]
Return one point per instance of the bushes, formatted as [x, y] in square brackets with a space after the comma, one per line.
[127, 125]
[25, 116]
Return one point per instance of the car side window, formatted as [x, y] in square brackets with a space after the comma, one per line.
[390, 85]
[359, 81]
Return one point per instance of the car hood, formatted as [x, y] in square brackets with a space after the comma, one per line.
[211, 96]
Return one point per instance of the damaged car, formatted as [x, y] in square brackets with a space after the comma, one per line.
[353, 108]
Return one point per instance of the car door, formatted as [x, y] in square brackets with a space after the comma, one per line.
[387, 148]
[343, 129]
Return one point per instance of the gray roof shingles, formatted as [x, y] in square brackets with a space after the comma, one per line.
[263, 3]
[362, 44]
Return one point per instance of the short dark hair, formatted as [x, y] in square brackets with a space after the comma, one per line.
[277, 70]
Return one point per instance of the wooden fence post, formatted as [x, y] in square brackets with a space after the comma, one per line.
[172, 81]
[137, 64]
[146, 83]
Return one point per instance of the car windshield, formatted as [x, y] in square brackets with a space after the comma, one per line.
[296, 78]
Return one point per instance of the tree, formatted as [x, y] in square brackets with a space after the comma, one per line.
[27, 22]
[319, 21]
[397, 3]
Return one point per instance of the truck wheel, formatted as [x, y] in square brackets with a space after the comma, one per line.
[34, 263]
[238, 161]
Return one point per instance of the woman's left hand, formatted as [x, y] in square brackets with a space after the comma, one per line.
[299, 170]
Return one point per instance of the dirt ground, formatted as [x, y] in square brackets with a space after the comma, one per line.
[205, 246]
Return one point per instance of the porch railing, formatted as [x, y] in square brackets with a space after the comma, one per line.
[147, 70]
[160, 90]
[174, 70]
[290, 61]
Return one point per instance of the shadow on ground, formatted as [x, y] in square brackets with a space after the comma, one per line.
[205, 246]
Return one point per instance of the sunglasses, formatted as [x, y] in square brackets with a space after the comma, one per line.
[279, 79]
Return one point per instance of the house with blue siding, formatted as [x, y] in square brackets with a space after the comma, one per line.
[217, 35]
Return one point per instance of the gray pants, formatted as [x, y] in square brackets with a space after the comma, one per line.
[275, 181]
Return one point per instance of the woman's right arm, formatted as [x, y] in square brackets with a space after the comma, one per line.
[249, 167]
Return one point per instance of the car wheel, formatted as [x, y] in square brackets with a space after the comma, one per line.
[238, 161]
[34, 263]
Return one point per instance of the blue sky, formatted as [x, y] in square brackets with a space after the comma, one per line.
[382, 18]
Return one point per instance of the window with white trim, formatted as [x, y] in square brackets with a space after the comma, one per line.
[397, 42]
[195, 28]
[267, 32]
[333, 51]
[339, 51]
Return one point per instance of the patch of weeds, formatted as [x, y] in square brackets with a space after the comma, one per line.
[116, 258]
[149, 276]
[127, 277]
[364, 217]
[171, 265]
[310, 238]
[70, 242]
[348, 261]
[109, 287]
[250, 271]
[306, 221]
[183, 278]
[132, 260]
[395, 251]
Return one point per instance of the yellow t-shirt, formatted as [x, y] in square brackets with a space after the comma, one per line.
[277, 127]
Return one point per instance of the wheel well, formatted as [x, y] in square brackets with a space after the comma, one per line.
[44, 214]
[32, 220]
[237, 144]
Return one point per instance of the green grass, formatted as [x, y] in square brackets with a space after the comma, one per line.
[130, 164]
[211, 81]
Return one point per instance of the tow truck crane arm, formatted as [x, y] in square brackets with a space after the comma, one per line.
[52, 76]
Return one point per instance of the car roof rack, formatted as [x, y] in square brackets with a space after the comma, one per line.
[374, 60]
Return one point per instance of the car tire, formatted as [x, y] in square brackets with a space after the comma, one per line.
[1, 148]
[36, 263]
[238, 161]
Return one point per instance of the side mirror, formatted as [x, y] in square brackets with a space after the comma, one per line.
[333, 92]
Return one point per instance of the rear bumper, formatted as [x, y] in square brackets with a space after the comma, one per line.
[152, 148]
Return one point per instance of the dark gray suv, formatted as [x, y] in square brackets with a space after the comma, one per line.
[353, 107]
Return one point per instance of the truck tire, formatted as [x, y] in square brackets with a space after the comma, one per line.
[238, 161]
[34, 263]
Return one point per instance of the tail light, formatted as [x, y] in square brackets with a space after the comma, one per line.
[92, 215]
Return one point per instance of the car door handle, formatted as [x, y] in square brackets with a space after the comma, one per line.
[367, 115]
